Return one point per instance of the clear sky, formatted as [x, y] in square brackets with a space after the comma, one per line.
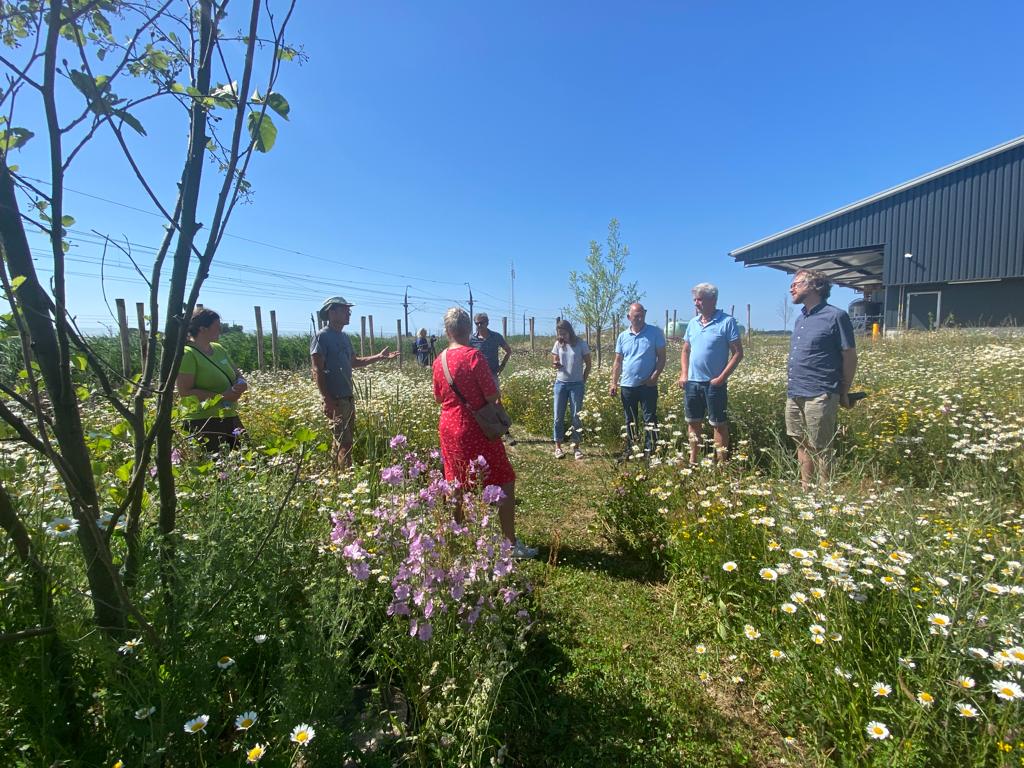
[434, 144]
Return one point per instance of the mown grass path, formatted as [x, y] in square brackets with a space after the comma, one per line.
[613, 674]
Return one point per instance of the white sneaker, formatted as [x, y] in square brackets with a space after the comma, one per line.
[522, 552]
[559, 453]
[578, 454]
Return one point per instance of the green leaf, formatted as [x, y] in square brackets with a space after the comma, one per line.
[131, 120]
[305, 435]
[286, 54]
[16, 281]
[80, 362]
[101, 23]
[82, 393]
[67, 221]
[14, 138]
[263, 131]
[177, 88]
[279, 104]
[124, 472]
[225, 95]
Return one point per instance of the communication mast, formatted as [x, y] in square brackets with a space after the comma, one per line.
[512, 300]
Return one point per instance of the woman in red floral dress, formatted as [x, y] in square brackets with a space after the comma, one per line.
[462, 440]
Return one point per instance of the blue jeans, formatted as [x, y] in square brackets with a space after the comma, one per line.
[640, 405]
[568, 392]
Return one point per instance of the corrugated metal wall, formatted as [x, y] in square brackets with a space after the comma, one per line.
[965, 225]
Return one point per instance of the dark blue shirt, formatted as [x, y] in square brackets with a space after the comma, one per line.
[816, 351]
[489, 347]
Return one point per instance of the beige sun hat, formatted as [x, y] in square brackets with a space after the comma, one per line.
[332, 301]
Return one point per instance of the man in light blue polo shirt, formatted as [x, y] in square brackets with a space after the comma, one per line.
[639, 361]
[711, 351]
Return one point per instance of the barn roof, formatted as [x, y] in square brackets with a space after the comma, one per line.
[855, 267]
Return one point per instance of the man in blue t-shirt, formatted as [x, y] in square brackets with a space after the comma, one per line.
[332, 358]
[822, 362]
[639, 361]
[489, 342]
[711, 351]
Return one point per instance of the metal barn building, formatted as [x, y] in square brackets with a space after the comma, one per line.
[945, 248]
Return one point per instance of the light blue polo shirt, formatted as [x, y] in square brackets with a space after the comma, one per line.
[709, 345]
[639, 354]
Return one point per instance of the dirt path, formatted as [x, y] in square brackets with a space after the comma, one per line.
[614, 677]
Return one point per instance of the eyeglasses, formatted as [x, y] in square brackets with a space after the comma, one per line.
[481, 322]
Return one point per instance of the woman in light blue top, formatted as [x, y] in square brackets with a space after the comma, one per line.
[571, 359]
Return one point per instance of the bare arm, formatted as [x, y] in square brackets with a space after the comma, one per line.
[320, 375]
[186, 388]
[659, 365]
[362, 362]
[735, 355]
[849, 370]
[587, 358]
[508, 353]
[613, 385]
[684, 363]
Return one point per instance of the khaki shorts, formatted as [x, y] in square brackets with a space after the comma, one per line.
[343, 425]
[811, 421]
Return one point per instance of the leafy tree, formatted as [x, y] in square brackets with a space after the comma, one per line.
[97, 71]
[600, 294]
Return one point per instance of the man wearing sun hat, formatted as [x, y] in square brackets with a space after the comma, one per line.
[333, 360]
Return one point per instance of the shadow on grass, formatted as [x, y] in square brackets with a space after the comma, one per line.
[614, 564]
[556, 715]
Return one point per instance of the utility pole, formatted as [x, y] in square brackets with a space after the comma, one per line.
[471, 316]
[512, 298]
[406, 305]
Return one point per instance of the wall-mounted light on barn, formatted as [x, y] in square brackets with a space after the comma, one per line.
[908, 255]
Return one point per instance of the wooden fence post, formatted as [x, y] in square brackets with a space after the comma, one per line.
[126, 350]
[362, 335]
[732, 311]
[674, 320]
[615, 328]
[259, 338]
[401, 346]
[748, 323]
[586, 333]
[504, 327]
[273, 337]
[373, 343]
[533, 339]
[666, 322]
[599, 346]
[140, 310]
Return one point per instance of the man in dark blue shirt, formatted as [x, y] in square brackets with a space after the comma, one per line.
[822, 362]
[489, 342]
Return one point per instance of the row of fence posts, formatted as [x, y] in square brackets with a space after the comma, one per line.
[365, 323]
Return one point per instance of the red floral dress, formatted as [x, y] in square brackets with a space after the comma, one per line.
[462, 440]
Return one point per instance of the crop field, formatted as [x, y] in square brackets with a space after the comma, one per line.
[676, 615]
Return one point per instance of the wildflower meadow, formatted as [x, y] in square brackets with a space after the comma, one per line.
[677, 614]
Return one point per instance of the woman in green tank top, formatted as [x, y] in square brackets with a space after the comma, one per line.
[206, 372]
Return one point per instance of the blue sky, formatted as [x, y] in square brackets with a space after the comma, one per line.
[434, 144]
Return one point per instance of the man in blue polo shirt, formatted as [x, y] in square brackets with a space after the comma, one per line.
[822, 362]
[639, 361]
[711, 351]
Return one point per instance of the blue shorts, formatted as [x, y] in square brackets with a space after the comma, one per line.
[702, 399]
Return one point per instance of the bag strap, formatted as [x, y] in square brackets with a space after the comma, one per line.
[231, 380]
[450, 380]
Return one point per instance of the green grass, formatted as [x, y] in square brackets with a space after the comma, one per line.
[611, 678]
